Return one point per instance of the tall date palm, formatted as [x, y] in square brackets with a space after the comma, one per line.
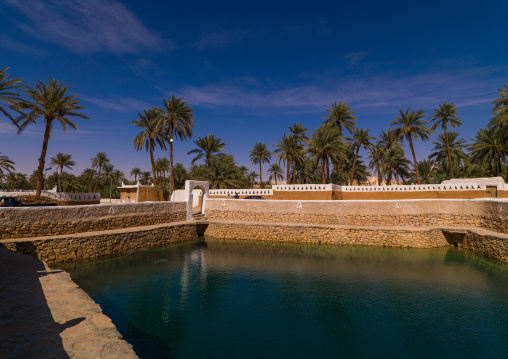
[208, 147]
[260, 154]
[179, 121]
[151, 135]
[51, 103]
[62, 160]
[97, 162]
[340, 115]
[412, 124]
[444, 116]
[360, 139]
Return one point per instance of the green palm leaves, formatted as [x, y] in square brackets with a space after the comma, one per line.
[9, 98]
[340, 115]
[152, 134]
[359, 139]
[6, 164]
[51, 103]
[444, 116]
[208, 147]
[324, 145]
[411, 124]
[97, 162]
[62, 160]
[178, 121]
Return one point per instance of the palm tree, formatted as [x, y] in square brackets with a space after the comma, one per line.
[9, 98]
[146, 177]
[162, 166]
[412, 124]
[117, 177]
[62, 160]
[426, 169]
[393, 162]
[97, 162]
[252, 177]
[208, 146]
[376, 160]
[136, 171]
[260, 154]
[6, 164]
[275, 172]
[326, 144]
[341, 115]
[179, 122]
[454, 147]
[487, 148]
[388, 138]
[151, 135]
[360, 139]
[299, 133]
[87, 176]
[284, 151]
[51, 103]
[300, 136]
[180, 176]
[222, 172]
[446, 115]
[500, 110]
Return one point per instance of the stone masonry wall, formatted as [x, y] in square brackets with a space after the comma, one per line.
[491, 215]
[44, 221]
[74, 247]
[328, 234]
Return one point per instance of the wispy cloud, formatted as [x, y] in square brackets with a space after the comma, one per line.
[221, 39]
[120, 104]
[86, 26]
[37, 131]
[355, 57]
[384, 93]
[17, 46]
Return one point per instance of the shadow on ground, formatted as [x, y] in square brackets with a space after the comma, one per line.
[27, 327]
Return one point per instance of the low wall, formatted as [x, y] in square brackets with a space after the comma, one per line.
[488, 214]
[68, 197]
[43, 221]
[85, 246]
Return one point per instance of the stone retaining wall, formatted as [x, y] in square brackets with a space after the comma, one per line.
[488, 214]
[85, 246]
[44, 221]
[419, 238]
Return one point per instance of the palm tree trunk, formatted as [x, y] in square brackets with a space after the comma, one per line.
[154, 174]
[379, 177]
[98, 176]
[260, 176]
[294, 172]
[323, 170]
[42, 159]
[495, 166]
[171, 161]
[414, 159]
[327, 170]
[448, 150]
[354, 163]
[287, 170]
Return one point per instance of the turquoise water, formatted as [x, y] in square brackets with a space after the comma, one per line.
[241, 299]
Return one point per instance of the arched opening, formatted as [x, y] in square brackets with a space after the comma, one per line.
[197, 193]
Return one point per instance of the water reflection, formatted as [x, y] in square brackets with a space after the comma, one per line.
[220, 298]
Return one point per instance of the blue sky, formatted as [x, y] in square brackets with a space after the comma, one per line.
[248, 70]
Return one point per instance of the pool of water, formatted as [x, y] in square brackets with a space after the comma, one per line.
[244, 299]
